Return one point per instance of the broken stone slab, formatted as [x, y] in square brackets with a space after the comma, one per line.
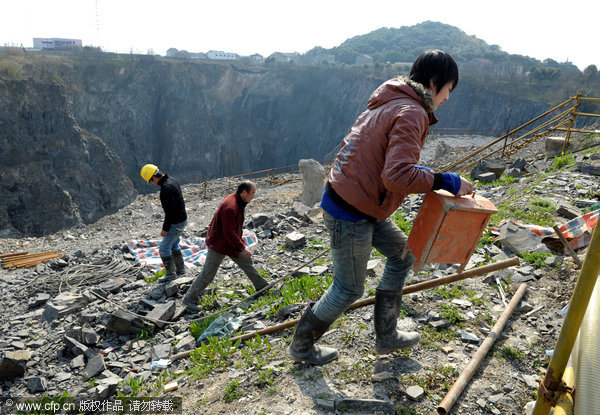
[301, 272]
[94, 366]
[88, 336]
[173, 287]
[319, 270]
[259, 219]
[469, 337]
[383, 376]
[375, 267]
[439, 324]
[162, 312]
[313, 180]
[326, 404]
[519, 164]
[554, 145]
[486, 166]
[14, 364]
[487, 177]
[160, 351]
[519, 239]
[589, 168]
[415, 392]
[185, 344]
[77, 362]
[37, 300]
[299, 211]
[62, 305]
[512, 172]
[85, 335]
[369, 406]
[37, 384]
[295, 239]
[106, 387]
[314, 215]
[124, 322]
[567, 211]
[76, 348]
[113, 286]
[61, 377]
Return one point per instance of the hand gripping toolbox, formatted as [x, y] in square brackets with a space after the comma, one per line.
[447, 228]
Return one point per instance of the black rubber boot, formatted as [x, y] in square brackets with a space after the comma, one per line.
[308, 331]
[179, 264]
[387, 309]
[169, 264]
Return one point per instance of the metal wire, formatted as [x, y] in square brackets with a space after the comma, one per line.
[82, 275]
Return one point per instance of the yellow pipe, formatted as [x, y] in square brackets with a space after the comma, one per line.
[564, 405]
[586, 358]
[570, 327]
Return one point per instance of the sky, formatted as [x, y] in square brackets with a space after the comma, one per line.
[559, 30]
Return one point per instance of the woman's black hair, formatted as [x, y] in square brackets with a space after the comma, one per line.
[437, 66]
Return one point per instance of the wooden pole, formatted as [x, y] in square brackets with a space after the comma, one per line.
[466, 375]
[370, 300]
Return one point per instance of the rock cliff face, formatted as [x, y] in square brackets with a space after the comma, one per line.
[54, 174]
[72, 147]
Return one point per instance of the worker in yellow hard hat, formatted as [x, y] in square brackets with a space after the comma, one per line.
[174, 222]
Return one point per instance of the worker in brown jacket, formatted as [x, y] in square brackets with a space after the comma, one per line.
[375, 169]
[224, 238]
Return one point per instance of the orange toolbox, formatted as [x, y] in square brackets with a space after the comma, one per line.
[447, 228]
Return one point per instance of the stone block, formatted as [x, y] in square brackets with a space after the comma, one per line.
[37, 384]
[553, 146]
[313, 180]
[94, 366]
[124, 322]
[162, 312]
[487, 177]
[567, 211]
[14, 364]
[295, 240]
[62, 305]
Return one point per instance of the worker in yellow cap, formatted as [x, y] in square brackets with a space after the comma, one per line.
[175, 220]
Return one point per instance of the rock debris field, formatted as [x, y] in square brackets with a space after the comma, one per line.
[77, 325]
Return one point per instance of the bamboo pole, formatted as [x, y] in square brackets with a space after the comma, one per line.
[564, 405]
[30, 259]
[458, 162]
[420, 286]
[567, 246]
[466, 375]
[3, 256]
[475, 272]
[570, 327]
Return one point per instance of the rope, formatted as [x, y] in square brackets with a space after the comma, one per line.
[82, 275]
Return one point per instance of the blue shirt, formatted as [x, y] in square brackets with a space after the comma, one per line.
[335, 210]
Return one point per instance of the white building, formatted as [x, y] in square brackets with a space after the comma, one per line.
[56, 43]
[217, 54]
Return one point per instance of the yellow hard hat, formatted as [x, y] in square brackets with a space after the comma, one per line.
[148, 171]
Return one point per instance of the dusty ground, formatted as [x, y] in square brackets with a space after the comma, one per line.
[503, 384]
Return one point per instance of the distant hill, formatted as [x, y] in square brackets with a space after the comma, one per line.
[404, 44]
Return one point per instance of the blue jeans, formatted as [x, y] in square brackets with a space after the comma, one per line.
[170, 242]
[351, 244]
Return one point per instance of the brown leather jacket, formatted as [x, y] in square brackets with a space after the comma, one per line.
[375, 168]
